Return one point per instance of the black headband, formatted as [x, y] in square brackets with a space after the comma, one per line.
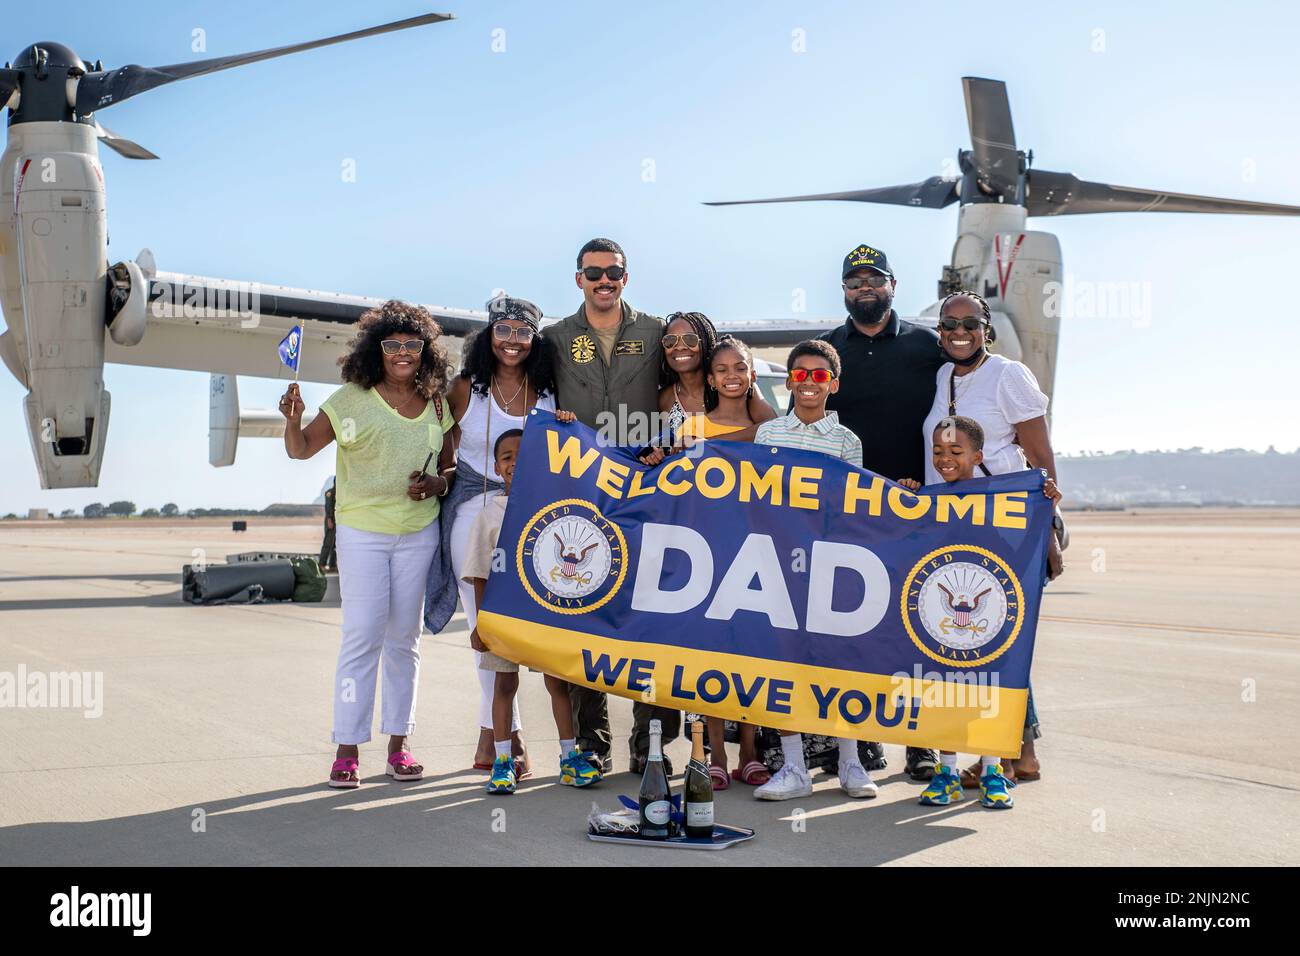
[521, 310]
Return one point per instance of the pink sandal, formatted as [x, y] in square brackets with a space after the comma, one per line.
[753, 773]
[403, 758]
[718, 777]
[348, 766]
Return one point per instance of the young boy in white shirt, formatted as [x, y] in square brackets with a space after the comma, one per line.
[576, 769]
[958, 450]
[813, 372]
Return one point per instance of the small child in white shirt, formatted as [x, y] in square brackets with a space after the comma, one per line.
[576, 769]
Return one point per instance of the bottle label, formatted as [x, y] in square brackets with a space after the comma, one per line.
[657, 812]
[699, 814]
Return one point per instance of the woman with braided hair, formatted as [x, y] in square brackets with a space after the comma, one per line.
[1003, 396]
[689, 342]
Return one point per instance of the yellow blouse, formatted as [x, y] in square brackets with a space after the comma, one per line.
[377, 449]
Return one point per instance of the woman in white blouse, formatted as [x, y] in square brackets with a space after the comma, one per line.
[1003, 396]
[508, 371]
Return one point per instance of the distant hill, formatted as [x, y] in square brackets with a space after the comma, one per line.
[1189, 476]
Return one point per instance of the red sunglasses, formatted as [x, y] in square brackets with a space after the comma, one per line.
[819, 375]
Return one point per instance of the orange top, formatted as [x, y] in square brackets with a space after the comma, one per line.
[699, 426]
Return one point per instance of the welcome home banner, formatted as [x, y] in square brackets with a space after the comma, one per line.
[772, 586]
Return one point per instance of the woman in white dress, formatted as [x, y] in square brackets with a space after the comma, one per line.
[1003, 396]
[507, 372]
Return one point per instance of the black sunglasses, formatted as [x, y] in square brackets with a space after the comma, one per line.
[875, 280]
[970, 323]
[614, 273]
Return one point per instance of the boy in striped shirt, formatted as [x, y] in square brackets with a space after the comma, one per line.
[813, 371]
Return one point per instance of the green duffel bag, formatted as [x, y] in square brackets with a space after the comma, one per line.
[309, 581]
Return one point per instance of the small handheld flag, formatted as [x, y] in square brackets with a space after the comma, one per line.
[291, 349]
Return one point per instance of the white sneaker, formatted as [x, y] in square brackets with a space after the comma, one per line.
[786, 784]
[856, 782]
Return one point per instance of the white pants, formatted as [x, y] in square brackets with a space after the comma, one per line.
[466, 513]
[382, 579]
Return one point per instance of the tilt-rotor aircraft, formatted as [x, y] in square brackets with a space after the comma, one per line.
[1018, 271]
[69, 311]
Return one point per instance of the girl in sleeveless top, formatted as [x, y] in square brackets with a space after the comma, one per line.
[729, 409]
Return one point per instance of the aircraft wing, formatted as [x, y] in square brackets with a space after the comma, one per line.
[774, 333]
[232, 327]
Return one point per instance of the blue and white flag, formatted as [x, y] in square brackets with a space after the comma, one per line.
[291, 348]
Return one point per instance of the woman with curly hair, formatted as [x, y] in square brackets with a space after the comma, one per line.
[507, 372]
[389, 420]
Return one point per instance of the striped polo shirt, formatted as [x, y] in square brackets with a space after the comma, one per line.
[825, 435]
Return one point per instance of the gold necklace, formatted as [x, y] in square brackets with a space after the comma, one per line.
[487, 436]
[678, 395]
[506, 403]
[952, 382]
[398, 408]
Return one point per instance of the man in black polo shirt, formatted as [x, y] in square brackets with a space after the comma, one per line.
[886, 391]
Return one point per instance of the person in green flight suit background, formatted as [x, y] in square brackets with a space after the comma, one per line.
[329, 558]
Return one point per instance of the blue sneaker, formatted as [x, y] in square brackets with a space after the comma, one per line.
[944, 788]
[596, 762]
[995, 789]
[503, 776]
[577, 771]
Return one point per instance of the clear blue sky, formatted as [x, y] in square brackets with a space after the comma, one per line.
[478, 170]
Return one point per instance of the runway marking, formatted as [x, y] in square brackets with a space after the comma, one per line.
[1149, 625]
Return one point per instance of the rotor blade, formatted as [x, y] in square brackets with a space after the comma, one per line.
[120, 144]
[992, 137]
[8, 83]
[934, 193]
[1062, 194]
[99, 90]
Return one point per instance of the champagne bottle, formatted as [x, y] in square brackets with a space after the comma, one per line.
[697, 791]
[656, 793]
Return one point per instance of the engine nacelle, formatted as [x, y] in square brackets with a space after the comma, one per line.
[128, 303]
[1013, 268]
[60, 225]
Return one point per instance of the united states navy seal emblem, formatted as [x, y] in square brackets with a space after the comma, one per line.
[571, 558]
[962, 605]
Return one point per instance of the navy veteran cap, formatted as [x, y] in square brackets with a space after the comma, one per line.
[865, 257]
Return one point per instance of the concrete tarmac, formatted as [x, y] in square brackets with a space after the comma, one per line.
[1167, 676]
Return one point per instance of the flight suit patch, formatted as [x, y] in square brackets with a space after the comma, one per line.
[629, 347]
[583, 349]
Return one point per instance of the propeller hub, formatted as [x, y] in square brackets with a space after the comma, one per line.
[50, 73]
[54, 57]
